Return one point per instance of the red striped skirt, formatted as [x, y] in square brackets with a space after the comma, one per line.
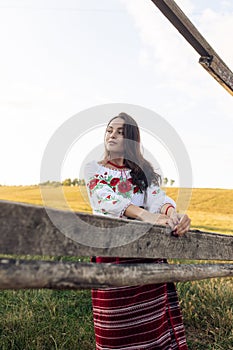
[141, 317]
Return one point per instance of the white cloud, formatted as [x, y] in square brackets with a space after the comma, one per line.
[217, 28]
[165, 52]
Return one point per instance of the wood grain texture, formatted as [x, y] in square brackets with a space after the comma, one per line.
[27, 229]
[219, 71]
[25, 274]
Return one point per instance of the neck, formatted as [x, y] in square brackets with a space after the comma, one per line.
[117, 161]
[116, 165]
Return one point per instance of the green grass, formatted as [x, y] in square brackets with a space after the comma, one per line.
[208, 313]
[46, 319]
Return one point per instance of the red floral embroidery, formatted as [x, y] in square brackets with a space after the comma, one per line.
[93, 183]
[103, 182]
[136, 189]
[108, 197]
[154, 192]
[124, 186]
[114, 181]
[114, 202]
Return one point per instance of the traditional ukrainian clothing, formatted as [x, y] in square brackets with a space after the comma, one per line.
[142, 317]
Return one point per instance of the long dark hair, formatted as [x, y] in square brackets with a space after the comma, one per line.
[142, 172]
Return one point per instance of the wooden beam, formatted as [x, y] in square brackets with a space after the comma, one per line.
[219, 71]
[27, 229]
[25, 274]
[209, 58]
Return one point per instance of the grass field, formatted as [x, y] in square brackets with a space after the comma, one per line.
[62, 320]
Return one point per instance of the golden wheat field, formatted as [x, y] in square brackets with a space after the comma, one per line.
[209, 209]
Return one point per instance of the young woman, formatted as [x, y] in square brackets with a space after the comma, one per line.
[125, 185]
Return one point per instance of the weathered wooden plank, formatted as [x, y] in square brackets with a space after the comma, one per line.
[183, 24]
[25, 274]
[219, 71]
[186, 28]
[27, 229]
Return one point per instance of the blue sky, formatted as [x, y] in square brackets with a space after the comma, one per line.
[59, 57]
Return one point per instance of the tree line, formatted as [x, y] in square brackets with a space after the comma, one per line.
[66, 182]
[81, 182]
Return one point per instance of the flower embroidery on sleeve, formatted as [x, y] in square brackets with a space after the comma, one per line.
[93, 183]
[155, 192]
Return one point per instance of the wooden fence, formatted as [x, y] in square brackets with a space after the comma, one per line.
[28, 230]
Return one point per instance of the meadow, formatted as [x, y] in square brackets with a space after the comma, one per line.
[62, 320]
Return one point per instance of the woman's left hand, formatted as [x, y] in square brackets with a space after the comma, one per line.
[182, 224]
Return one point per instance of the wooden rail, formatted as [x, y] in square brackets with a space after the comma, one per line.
[28, 230]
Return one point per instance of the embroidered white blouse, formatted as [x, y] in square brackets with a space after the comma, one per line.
[111, 191]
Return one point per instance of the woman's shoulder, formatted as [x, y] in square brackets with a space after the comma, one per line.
[91, 168]
[95, 167]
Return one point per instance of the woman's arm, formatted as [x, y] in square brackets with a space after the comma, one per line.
[180, 224]
[135, 212]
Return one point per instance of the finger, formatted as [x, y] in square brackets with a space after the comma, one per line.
[175, 219]
[171, 224]
[166, 221]
[184, 227]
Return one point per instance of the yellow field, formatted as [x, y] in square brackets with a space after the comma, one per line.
[209, 209]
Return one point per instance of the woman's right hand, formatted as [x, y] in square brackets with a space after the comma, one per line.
[157, 219]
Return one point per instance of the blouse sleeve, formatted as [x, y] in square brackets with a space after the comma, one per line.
[103, 199]
[155, 198]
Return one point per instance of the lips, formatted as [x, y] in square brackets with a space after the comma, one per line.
[112, 143]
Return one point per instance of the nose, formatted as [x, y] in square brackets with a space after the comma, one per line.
[113, 134]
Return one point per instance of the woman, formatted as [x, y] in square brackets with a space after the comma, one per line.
[125, 185]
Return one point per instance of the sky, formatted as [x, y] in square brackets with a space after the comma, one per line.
[61, 57]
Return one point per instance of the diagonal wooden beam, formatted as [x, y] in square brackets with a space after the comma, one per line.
[209, 58]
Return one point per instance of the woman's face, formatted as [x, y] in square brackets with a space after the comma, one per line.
[114, 138]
